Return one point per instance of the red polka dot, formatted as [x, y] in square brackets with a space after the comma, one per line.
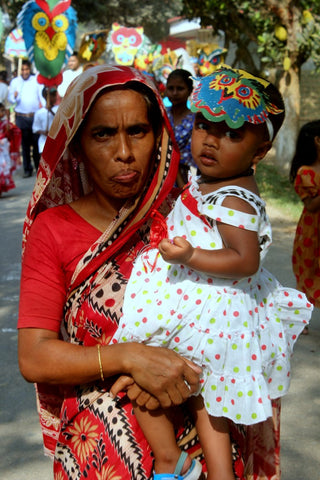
[308, 220]
[139, 310]
[308, 262]
[264, 347]
[217, 356]
[177, 339]
[188, 217]
[180, 316]
[133, 295]
[144, 320]
[185, 297]
[260, 400]
[190, 348]
[221, 379]
[179, 291]
[290, 304]
[219, 399]
[236, 314]
[307, 242]
[286, 294]
[110, 302]
[233, 380]
[241, 226]
[308, 282]
[254, 357]
[198, 302]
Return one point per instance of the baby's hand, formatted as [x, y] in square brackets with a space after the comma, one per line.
[179, 250]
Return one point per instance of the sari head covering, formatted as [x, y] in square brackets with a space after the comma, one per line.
[62, 179]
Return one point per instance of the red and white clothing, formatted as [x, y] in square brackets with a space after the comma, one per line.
[241, 332]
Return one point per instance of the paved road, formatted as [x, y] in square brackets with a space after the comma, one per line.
[20, 439]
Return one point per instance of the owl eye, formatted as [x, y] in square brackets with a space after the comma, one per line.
[226, 80]
[40, 21]
[132, 40]
[120, 38]
[244, 91]
[60, 23]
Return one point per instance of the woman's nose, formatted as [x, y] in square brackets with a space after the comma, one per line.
[124, 150]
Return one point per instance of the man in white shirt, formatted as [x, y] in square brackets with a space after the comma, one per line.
[43, 118]
[73, 70]
[25, 93]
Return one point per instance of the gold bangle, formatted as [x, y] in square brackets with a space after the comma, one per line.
[100, 363]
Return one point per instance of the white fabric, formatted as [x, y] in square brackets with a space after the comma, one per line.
[29, 98]
[67, 77]
[42, 122]
[240, 331]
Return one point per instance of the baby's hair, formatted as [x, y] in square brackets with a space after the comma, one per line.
[185, 76]
[306, 152]
[277, 100]
[2, 105]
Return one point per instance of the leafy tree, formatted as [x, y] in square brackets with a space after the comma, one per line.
[285, 33]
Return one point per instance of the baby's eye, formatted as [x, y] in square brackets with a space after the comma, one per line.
[202, 125]
[232, 134]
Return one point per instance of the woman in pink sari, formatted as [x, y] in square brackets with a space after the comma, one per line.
[108, 162]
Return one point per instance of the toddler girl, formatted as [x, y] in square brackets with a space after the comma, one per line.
[203, 291]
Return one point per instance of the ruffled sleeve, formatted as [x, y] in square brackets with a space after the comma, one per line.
[307, 183]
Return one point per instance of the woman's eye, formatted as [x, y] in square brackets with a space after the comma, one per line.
[103, 133]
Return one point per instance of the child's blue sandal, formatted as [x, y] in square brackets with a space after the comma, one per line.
[193, 473]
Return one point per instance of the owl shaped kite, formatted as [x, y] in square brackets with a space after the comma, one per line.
[49, 31]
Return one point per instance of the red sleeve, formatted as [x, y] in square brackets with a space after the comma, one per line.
[57, 240]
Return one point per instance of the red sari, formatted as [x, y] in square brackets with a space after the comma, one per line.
[90, 434]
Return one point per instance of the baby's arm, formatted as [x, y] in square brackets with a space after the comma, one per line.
[239, 258]
[312, 204]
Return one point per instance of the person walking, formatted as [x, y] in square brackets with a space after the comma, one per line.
[25, 94]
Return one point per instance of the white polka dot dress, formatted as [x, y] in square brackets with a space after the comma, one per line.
[241, 332]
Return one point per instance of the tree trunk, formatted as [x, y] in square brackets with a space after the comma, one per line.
[285, 142]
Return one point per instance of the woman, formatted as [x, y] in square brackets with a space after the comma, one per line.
[108, 162]
[178, 89]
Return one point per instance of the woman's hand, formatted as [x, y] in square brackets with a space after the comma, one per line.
[179, 250]
[167, 376]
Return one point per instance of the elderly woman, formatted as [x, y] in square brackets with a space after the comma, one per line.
[107, 164]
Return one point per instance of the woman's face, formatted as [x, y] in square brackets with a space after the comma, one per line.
[117, 144]
[177, 91]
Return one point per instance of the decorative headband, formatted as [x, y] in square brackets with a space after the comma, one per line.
[235, 97]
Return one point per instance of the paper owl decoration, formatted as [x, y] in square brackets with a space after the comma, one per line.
[209, 58]
[49, 32]
[233, 96]
[125, 43]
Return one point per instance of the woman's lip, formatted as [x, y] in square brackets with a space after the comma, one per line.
[126, 177]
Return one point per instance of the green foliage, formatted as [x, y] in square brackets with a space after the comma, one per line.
[277, 191]
[258, 21]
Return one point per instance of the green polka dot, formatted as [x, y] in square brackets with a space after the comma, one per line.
[253, 220]
[264, 300]
[193, 233]
[213, 387]
[148, 334]
[199, 290]
[149, 301]
[179, 327]
[226, 388]
[225, 410]
[208, 404]
[159, 283]
[210, 207]
[272, 355]
[198, 317]
[240, 394]
[160, 316]
[248, 345]
[279, 368]
[254, 416]
[212, 320]
[212, 245]
[296, 312]
[167, 296]
[248, 368]
[234, 346]
[175, 273]
[210, 341]
[219, 299]
[144, 292]
[231, 213]
[181, 222]
[236, 369]
[238, 416]
[250, 393]
[280, 388]
[124, 339]
[245, 324]
[137, 324]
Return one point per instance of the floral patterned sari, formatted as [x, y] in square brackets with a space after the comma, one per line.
[90, 434]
